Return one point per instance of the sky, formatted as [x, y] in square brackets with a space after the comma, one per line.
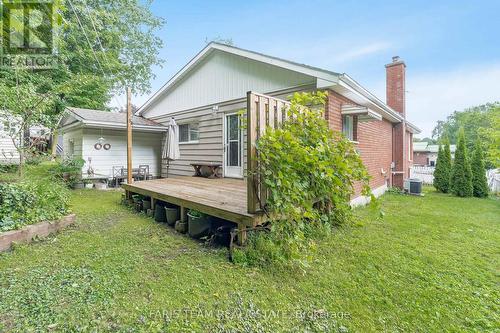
[451, 48]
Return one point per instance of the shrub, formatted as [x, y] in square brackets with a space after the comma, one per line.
[442, 173]
[31, 201]
[461, 177]
[69, 169]
[310, 172]
[479, 181]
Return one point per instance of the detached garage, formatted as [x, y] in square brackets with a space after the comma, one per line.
[100, 138]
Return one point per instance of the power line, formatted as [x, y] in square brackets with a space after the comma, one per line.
[91, 48]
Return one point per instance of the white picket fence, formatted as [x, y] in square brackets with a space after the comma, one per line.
[426, 175]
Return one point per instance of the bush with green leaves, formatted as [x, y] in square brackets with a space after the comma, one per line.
[30, 201]
[479, 181]
[461, 176]
[442, 173]
[310, 172]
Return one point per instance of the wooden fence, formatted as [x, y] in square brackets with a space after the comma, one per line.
[262, 112]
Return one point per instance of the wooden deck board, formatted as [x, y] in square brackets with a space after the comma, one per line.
[222, 197]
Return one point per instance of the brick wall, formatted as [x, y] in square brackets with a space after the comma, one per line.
[420, 158]
[374, 140]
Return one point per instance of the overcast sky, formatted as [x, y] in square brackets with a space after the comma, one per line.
[451, 48]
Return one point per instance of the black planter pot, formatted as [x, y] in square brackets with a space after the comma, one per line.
[160, 215]
[173, 215]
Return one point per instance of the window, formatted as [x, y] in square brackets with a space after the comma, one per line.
[348, 127]
[188, 133]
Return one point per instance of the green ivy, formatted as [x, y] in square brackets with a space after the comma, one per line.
[310, 172]
[30, 202]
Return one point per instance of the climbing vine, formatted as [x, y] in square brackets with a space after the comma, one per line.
[311, 172]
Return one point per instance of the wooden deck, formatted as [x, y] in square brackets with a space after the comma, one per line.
[223, 197]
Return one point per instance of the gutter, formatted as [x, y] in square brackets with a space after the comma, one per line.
[94, 124]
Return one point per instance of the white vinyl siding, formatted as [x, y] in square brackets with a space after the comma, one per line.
[72, 143]
[223, 77]
[209, 147]
[8, 151]
[146, 149]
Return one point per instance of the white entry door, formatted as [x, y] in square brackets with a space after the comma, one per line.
[233, 146]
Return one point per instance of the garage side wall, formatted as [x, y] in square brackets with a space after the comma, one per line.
[146, 149]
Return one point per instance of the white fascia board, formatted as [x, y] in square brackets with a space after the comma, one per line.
[75, 125]
[412, 128]
[360, 111]
[96, 124]
[307, 70]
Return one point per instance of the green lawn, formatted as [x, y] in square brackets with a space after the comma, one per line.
[432, 264]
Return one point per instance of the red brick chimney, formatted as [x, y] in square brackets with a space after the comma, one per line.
[395, 90]
[395, 85]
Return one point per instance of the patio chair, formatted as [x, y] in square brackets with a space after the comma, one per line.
[144, 171]
[118, 174]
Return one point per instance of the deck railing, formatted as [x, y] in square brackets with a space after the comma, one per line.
[262, 112]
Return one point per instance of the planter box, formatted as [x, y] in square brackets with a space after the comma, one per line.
[27, 233]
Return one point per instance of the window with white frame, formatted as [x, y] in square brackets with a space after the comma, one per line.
[188, 132]
[348, 127]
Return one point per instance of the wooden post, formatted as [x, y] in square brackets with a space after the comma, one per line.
[129, 137]
[251, 152]
[184, 216]
[242, 234]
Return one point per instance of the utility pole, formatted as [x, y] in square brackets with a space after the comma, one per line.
[129, 137]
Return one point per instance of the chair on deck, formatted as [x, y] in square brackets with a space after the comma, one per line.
[143, 171]
[118, 174]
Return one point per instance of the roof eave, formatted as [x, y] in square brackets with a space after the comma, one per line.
[389, 113]
[108, 125]
[413, 129]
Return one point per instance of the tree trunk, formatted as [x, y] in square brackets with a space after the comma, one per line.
[54, 142]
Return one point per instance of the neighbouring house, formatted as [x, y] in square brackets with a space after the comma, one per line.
[8, 151]
[205, 96]
[39, 141]
[425, 154]
[100, 138]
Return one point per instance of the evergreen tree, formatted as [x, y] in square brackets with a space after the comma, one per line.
[479, 181]
[461, 176]
[443, 169]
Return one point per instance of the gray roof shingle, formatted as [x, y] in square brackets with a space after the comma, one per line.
[110, 117]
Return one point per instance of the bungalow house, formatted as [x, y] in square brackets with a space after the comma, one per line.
[206, 94]
[100, 138]
[425, 154]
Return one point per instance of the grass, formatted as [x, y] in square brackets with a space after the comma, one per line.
[432, 264]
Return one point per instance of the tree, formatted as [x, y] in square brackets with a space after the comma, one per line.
[102, 47]
[479, 181]
[478, 123]
[23, 107]
[461, 177]
[426, 139]
[491, 137]
[442, 172]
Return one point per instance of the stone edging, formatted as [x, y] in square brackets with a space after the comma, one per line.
[27, 233]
